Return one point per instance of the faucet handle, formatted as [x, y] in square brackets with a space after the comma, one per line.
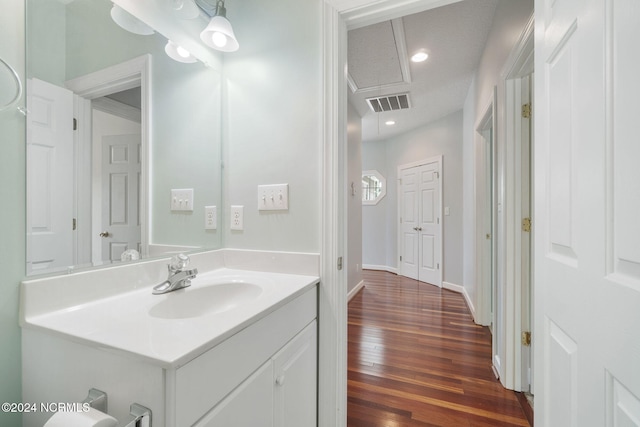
[178, 262]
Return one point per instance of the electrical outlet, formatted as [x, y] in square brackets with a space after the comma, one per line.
[182, 199]
[237, 221]
[210, 218]
[273, 197]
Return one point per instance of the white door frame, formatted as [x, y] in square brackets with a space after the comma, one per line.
[486, 256]
[434, 159]
[509, 146]
[332, 355]
[119, 77]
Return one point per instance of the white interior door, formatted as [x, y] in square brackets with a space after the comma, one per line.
[49, 177]
[420, 207]
[587, 205]
[429, 229]
[409, 220]
[120, 190]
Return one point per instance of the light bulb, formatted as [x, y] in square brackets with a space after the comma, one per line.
[419, 57]
[182, 52]
[219, 39]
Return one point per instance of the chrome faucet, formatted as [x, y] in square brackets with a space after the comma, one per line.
[179, 276]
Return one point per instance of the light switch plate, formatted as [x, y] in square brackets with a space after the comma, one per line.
[237, 220]
[210, 218]
[182, 199]
[273, 197]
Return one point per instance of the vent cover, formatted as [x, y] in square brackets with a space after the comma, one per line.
[389, 102]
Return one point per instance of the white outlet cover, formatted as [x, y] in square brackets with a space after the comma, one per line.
[210, 218]
[237, 220]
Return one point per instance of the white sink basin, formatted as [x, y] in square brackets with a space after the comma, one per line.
[197, 301]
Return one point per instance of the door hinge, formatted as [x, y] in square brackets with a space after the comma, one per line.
[400, 220]
[526, 225]
[339, 263]
[400, 257]
[526, 110]
[437, 174]
[438, 266]
[74, 224]
[526, 339]
[75, 124]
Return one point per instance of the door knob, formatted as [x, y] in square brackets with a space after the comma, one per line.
[105, 234]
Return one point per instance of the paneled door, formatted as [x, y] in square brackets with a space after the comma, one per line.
[121, 195]
[50, 158]
[586, 210]
[420, 205]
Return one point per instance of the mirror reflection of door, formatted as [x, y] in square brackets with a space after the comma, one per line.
[116, 144]
[50, 222]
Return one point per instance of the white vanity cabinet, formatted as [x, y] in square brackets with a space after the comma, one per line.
[263, 375]
[281, 393]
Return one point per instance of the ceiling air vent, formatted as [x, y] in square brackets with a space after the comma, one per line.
[389, 102]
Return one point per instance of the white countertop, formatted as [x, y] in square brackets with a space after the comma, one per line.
[125, 323]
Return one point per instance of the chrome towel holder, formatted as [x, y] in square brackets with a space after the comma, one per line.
[16, 77]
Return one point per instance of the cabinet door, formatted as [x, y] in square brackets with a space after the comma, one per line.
[249, 405]
[295, 377]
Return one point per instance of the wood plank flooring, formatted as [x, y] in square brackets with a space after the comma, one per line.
[417, 359]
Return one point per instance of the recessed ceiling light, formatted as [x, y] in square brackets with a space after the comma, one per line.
[390, 122]
[419, 57]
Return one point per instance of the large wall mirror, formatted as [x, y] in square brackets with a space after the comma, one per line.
[113, 125]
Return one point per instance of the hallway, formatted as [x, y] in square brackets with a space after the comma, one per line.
[417, 359]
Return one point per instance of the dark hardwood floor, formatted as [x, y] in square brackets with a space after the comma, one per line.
[417, 359]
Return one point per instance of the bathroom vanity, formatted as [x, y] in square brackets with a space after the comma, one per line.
[236, 348]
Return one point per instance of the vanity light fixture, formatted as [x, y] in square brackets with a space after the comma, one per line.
[219, 34]
[419, 57]
[178, 53]
[128, 22]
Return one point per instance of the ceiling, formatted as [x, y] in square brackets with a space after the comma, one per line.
[454, 36]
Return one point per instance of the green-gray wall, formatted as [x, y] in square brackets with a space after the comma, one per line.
[12, 214]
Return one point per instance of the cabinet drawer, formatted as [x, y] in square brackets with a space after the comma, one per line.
[205, 381]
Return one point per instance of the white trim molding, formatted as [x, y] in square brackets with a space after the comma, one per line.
[393, 270]
[353, 292]
[462, 290]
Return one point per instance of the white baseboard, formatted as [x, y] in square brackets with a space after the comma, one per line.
[380, 268]
[352, 293]
[461, 290]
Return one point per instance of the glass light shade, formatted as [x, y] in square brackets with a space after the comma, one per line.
[184, 9]
[178, 53]
[128, 22]
[219, 35]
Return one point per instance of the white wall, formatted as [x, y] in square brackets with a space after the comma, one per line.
[375, 223]
[509, 21]
[272, 119]
[354, 201]
[442, 137]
